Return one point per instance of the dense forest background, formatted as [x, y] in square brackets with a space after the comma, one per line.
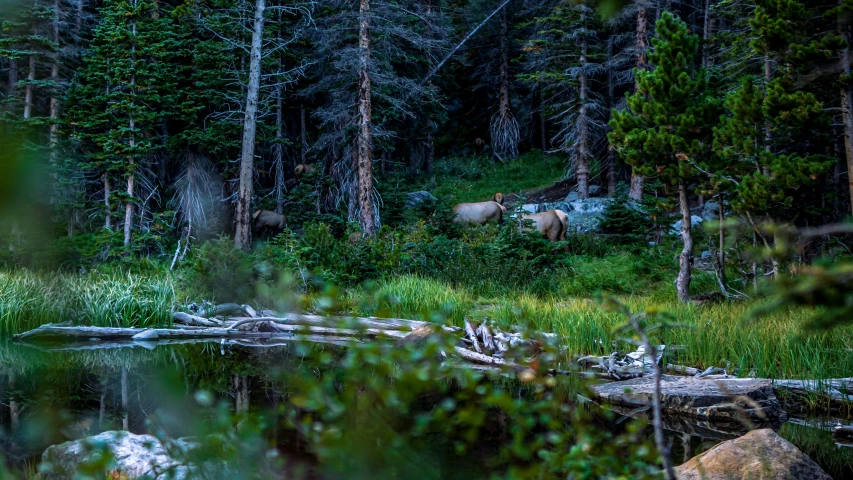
[141, 123]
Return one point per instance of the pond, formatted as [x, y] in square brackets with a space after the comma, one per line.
[254, 400]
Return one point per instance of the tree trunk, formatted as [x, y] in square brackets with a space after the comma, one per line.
[303, 134]
[13, 76]
[14, 407]
[278, 151]
[279, 155]
[429, 150]
[847, 109]
[636, 190]
[28, 90]
[583, 121]
[685, 260]
[108, 221]
[721, 255]
[707, 28]
[128, 207]
[543, 131]
[611, 100]
[242, 235]
[364, 154]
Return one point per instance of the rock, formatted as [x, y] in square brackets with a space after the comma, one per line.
[706, 254]
[594, 190]
[694, 221]
[530, 208]
[149, 334]
[135, 456]
[417, 198]
[572, 197]
[702, 398]
[760, 454]
[711, 210]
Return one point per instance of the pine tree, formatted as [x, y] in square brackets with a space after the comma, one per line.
[665, 129]
[121, 96]
[568, 52]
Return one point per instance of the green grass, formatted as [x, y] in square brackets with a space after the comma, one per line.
[717, 335]
[476, 179]
[115, 299]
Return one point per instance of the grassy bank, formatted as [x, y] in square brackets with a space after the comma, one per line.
[715, 335]
[115, 299]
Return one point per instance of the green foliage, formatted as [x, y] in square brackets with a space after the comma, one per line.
[622, 217]
[476, 179]
[664, 130]
[226, 272]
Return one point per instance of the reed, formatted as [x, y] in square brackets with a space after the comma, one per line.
[719, 335]
[118, 299]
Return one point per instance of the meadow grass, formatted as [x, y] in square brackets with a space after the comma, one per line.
[476, 179]
[723, 335]
[111, 299]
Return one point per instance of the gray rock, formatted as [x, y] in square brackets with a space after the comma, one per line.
[594, 190]
[703, 398]
[758, 454]
[706, 254]
[149, 334]
[417, 198]
[135, 456]
[572, 197]
[530, 207]
[694, 221]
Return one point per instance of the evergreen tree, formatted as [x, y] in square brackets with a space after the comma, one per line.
[568, 52]
[119, 100]
[665, 129]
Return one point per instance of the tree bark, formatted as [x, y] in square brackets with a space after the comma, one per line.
[128, 206]
[583, 128]
[303, 134]
[847, 109]
[611, 100]
[243, 233]
[13, 76]
[108, 221]
[708, 26]
[28, 90]
[364, 143]
[636, 190]
[543, 129]
[279, 156]
[429, 149]
[241, 393]
[685, 260]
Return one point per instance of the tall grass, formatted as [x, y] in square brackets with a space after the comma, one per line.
[716, 335]
[114, 299]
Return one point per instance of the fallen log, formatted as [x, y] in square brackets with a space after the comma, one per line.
[835, 388]
[107, 333]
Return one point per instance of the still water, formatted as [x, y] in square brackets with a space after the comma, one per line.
[48, 397]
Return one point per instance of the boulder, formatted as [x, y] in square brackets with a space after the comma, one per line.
[134, 456]
[694, 221]
[594, 190]
[760, 454]
[417, 198]
[530, 208]
[710, 210]
[702, 398]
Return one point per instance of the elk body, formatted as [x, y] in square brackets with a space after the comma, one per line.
[481, 212]
[267, 219]
[551, 224]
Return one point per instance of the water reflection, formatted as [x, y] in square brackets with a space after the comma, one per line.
[52, 394]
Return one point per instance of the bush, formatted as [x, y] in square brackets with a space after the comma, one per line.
[224, 271]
